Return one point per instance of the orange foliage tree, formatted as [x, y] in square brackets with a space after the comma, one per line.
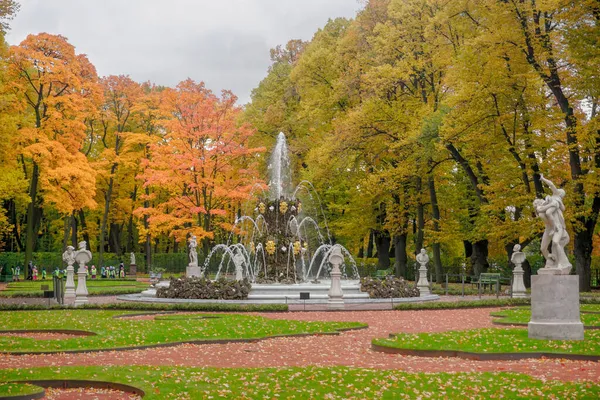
[121, 94]
[56, 88]
[203, 162]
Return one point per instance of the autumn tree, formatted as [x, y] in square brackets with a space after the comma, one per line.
[121, 94]
[57, 88]
[203, 162]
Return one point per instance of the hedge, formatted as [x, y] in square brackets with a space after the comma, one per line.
[208, 307]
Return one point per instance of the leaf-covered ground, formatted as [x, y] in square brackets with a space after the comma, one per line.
[590, 315]
[8, 389]
[314, 383]
[493, 340]
[124, 332]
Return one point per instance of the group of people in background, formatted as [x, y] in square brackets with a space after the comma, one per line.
[34, 273]
[110, 272]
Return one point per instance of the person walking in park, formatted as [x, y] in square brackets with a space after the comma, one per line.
[30, 271]
[34, 273]
[43, 273]
[94, 272]
[16, 273]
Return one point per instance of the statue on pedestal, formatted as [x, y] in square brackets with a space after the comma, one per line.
[518, 286]
[132, 258]
[69, 257]
[423, 283]
[193, 252]
[82, 256]
[550, 210]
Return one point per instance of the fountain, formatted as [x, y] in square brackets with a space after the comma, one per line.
[280, 247]
[283, 246]
[279, 243]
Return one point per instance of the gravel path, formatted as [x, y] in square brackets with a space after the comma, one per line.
[351, 348]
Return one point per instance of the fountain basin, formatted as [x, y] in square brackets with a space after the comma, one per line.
[318, 291]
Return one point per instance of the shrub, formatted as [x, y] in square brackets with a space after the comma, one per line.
[202, 288]
[390, 287]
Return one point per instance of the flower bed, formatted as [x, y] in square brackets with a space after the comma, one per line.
[201, 288]
[389, 287]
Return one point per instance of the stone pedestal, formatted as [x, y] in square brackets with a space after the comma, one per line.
[423, 283]
[70, 285]
[81, 291]
[518, 286]
[555, 308]
[336, 296]
[193, 270]
[132, 270]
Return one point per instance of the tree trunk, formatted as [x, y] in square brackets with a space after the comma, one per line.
[420, 217]
[131, 242]
[370, 245]
[148, 241]
[382, 241]
[435, 213]
[66, 232]
[74, 232]
[114, 238]
[401, 258]
[107, 198]
[33, 215]
[84, 231]
[479, 257]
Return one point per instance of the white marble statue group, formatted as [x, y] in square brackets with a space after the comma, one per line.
[82, 256]
[550, 210]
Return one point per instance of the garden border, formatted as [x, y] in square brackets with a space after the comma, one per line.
[173, 344]
[481, 356]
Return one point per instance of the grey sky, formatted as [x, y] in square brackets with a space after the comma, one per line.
[224, 43]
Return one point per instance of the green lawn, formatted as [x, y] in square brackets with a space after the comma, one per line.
[17, 389]
[314, 383]
[522, 315]
[492, 340]
[121, 333]
[96, 287]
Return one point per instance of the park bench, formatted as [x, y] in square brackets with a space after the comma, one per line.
[382, 273]
[487, 278]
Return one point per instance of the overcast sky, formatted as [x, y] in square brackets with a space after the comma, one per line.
[224, 43]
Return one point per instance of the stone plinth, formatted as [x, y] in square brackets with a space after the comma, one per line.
[69, 297]
[518, 286]
[132, 270]
[193, 271]
[555, 308]
[423, 283]
[81, 291]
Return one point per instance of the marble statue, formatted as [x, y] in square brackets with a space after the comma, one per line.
[239, 261]
[69, 255]
[132, 258]
[518, 286]
[193, 252]
[550, 211]
[423, 283]
[423, 258]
